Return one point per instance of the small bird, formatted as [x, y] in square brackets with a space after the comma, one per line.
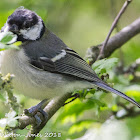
[44, 67]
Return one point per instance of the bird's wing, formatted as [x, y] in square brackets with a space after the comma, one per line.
[66, 62]
[70, 63]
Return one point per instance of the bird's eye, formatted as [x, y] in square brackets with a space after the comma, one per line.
[26, 25]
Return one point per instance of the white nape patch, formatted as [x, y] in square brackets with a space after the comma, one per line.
[59, 56]
[32, 33]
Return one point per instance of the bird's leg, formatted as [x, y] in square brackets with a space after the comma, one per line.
[33, 112]
[76, 95]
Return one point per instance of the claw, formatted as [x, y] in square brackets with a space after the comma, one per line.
[38, 121]
[33, 113]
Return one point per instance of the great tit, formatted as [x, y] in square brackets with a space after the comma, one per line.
[44, 67]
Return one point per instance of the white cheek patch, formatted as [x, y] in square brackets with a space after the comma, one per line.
[59, 56]
[32, 33]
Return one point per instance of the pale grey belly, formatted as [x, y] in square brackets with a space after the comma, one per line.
[33, 82]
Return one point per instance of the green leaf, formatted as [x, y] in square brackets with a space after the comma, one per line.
[2, 97]
[74, 109]
[11, 114]
[12, 122]
[99, 103]
[6, 47]
[3, 122]
[134, 92]
[11, 119]
[81, 125]
[18, 43]
[8, 37]
[101, 66]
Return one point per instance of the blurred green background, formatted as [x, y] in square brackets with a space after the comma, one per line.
[81, 24]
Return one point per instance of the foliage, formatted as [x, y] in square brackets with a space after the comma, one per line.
[75, 117]
[104, 65]
[8, 38]
[6, 89]
[80, 24]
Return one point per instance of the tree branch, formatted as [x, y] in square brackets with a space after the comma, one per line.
[133, 67]
[130, 69]
[50, 109]
[130, 112]
[114, 42]
[127, 2]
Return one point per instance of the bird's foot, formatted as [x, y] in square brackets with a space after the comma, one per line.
[33, 112]
[75, 96]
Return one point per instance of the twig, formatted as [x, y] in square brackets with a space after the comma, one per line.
[123, 106]
[132, 115]
[50, 109]
[129, 69]
[117, 28]
[114, 42]
[76, 95]
[127, 2]
[133, 67]
[136, 77]
[130, 112]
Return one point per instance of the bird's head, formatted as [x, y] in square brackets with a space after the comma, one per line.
[27, 25]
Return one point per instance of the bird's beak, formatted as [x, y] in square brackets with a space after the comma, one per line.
[7, 28]
[13, 28]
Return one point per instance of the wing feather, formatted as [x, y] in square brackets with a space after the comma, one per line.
[70, 64]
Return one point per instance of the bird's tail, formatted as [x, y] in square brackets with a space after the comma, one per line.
[108, 88]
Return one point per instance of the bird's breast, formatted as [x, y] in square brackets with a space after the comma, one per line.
[28, 80]
[36, 83]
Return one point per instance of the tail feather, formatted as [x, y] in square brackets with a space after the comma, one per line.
[108, 88]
